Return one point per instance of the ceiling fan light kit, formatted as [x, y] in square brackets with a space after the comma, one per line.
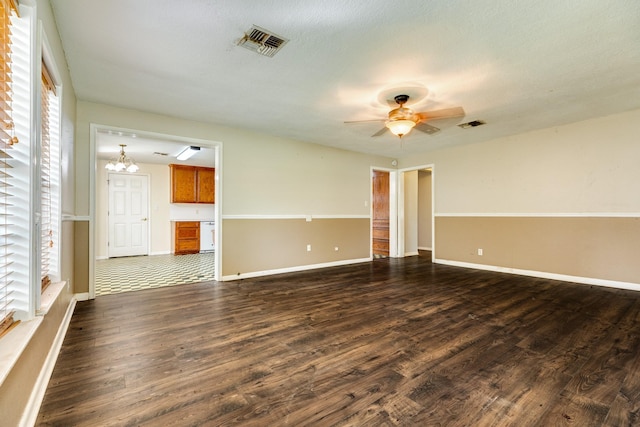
[402, 120]
[400, 127]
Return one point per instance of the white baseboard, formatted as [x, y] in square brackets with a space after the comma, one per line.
[424, 248]
[544, 275]
[293, 269]
[411, 253]
[84, 296]
[102, 257]
[160, 253]
[30, 414]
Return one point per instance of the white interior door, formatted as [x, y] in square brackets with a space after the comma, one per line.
[128, 215]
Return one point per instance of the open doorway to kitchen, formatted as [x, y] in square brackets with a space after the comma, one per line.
[113, 270]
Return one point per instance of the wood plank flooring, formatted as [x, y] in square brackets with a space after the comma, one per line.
[394, 342]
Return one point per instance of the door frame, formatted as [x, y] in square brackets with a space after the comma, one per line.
[401, 214]
[393, 210]
[148, 225]
[94, 128]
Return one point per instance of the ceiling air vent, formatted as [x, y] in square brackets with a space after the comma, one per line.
[472, 124]
[262, 41]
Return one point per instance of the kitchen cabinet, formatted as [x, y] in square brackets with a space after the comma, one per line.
[186, 237]
[192, 184]
[205, 185]
[183, 184]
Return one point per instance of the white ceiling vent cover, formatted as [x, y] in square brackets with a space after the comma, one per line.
[262, 41]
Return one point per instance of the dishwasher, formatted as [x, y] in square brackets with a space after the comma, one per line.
[207, 236]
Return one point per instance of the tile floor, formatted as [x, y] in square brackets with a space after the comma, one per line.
[116, 275]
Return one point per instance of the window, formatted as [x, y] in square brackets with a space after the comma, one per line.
[7, 140]
[30, 190]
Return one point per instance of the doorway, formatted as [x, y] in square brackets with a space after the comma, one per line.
[425, 210]
[416, 211]
[153, 151]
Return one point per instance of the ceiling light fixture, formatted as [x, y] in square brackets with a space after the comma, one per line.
[187, 152]
[123, 163]
[400, 127]
[402, 120]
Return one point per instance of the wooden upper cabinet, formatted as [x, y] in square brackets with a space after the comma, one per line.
[183, 184]
[206, 178]
[192, 184]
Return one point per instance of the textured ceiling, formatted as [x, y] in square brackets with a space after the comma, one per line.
[518, 65]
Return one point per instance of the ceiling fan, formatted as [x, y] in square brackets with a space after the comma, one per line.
[402, 119]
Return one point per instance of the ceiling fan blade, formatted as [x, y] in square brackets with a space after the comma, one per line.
[365, 121]
[426, 128]
[445, 113]
[380, 132]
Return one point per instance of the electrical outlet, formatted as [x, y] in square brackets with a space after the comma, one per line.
[336, 249]
[308, 248]
[480, 251]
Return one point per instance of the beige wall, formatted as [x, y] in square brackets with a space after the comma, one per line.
[584, 167]
[260, 245]
[599, 248]
[582, 170]
[81, 256]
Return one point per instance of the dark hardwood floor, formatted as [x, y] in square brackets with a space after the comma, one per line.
[391, 342]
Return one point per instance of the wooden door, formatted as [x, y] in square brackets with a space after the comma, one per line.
[128, 215]
[380, 220]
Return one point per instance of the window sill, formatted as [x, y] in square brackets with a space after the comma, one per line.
[49, 296]
[13, 344]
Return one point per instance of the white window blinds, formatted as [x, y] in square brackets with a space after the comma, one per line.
[7, 139]
[46, 241]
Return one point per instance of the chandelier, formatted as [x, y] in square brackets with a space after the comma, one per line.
[123, 163]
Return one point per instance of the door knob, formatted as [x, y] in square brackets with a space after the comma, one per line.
[144, 219]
